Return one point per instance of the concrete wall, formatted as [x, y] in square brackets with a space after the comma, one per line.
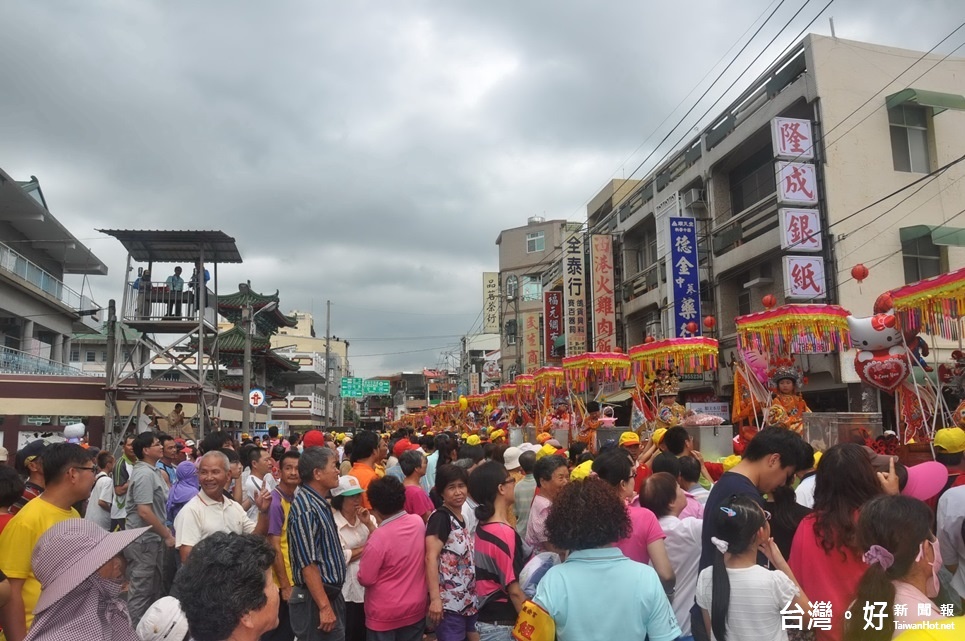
[859, 166]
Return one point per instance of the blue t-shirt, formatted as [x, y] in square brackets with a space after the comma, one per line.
[602, 580]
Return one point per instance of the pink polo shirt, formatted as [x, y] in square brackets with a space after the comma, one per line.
[392, 573]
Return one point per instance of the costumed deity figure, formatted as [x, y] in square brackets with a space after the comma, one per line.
[590, 424]
[670, 413]
[787, 405]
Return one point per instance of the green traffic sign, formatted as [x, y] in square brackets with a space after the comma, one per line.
[351, 387]
[376, 387]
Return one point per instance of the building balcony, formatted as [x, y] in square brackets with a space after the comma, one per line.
[642, 289]
[40, 281]
[13, 361]
[751, 233]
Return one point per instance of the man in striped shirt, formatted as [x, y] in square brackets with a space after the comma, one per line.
[316, 607]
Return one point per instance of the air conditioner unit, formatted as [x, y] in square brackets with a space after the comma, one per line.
[693, 198]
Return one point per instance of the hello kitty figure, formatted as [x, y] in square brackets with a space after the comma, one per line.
[875, 332]
[881, 360]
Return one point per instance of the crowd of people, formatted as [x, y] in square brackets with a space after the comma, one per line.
[396, 537]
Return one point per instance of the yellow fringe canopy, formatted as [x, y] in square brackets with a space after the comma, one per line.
[690, 355]
[805, 327]
[549, 379]
[507, 393]
[525, 388]
[933, 306]
[603, 366]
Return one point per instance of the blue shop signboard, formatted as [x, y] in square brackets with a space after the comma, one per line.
[685, 275]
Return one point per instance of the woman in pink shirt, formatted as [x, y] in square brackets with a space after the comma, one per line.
[392, 569]
[645, 543]
[903, 563]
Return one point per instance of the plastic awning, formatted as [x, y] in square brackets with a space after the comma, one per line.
[937, 100]
[940, 234]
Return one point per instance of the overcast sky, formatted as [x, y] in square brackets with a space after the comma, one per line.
[370, 152]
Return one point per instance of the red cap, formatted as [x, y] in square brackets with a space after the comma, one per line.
[313, 438]
[403, 445]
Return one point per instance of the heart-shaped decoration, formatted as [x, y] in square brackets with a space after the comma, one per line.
[884, 371]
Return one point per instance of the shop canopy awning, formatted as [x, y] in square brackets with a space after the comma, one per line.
[559, 341]
[940, 234]
[937, 100]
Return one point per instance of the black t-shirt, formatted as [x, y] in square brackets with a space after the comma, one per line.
[730, 483]
[439, 524]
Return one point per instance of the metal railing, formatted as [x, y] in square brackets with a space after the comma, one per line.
[17, 264]
[13, 361]
[154, 301]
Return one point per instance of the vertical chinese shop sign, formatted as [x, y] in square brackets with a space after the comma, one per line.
[552, 322]
[686, 275]
[604, 313]
[490, 303]
[574, 294]
[531, 351]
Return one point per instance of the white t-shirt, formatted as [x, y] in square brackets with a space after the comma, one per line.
[805, 492]
[757, 596]
[252, 488]
[683, 550]
[951, 513]
[144, 423]
[103, 491]
[201, 517]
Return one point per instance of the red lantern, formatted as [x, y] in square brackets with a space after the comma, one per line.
[709, 322]
[769, 301]
[859, 272]
[692, 327]
[649, 339]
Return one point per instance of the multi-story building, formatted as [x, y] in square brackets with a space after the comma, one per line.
[525, 254]
[40, 392]
[307, 405]
[38, 312]
[770, 219]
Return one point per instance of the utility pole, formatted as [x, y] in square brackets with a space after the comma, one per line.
[328, 366]
[109, 432]
[246, 372]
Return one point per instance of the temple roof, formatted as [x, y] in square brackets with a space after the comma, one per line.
[267, 323]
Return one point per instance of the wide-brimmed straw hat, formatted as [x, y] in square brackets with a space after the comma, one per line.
[72, 550]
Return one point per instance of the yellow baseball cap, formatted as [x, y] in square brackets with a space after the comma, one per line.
[542, 437]
[546, 450]
[950, 439]
[658, 435]
[496, 434]
[581, 471]
[473, 440]
[629, 438]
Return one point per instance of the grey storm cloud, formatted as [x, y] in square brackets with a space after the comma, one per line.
[368, 152]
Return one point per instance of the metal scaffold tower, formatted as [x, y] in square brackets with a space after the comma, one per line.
[175, 328]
